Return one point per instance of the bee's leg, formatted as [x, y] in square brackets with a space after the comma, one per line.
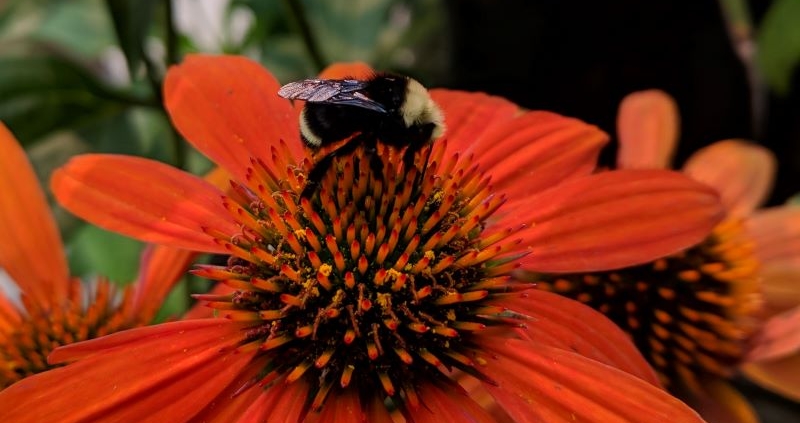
[375, 162]
[316, 174]
[324, 164]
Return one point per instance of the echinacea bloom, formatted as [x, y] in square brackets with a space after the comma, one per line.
[56, 309]
[380, 291]
[697, 316]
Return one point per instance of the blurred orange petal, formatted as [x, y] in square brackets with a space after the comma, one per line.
[778, 337]
[538, 150]
[228, 108]
[160, 268]
[347, 70]
[31, 251]
[780, 288]
[721, 403]
[614, 219]
[776, 233]
[469, 116]
[143, 199]
[742, 172]
[9, 315]
[779, 376]
[647, 127]
[190, 369]
[552, 384]
[560, 322]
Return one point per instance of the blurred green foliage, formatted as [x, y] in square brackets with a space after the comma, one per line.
[779, 44]
[84, 76]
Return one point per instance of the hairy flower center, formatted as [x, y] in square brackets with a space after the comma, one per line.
[25, 347]
[689, 314]
[375, 281]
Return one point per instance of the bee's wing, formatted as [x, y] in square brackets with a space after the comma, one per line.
[331, 91]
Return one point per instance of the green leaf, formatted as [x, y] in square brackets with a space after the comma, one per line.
[132, 19]
[96, 252]
[41, 94]
[134, 131]
[779, 44]
[80, 27]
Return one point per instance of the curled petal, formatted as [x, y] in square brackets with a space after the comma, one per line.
[614, 219]
[169, 371]
[540, 383]
[560, 322]
[648, 123]
[143, 199]
[228, 108]
[538, 150]
[742, 172]
[31, 251]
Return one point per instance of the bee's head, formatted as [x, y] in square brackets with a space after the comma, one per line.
[418, 108]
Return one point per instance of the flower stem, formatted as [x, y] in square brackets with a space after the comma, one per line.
[739, 26]
[298, 13]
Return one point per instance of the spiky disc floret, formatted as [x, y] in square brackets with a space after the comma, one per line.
[43, 328]
[690, 314]
[375, 282]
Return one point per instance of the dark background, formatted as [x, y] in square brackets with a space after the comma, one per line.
[580, 58]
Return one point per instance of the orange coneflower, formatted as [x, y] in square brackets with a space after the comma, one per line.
[697, 315]
[56, 309]
[369, 301]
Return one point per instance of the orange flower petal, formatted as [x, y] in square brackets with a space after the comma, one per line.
[280, 405]
[647, 127]
[560, 322]
[540, 383]
[31, 251]
[347, 70]
[160, 268]
[780, 288]
[9, 315]
[447, 405]
[776, 233]
[778, 337]
[143, 199]
[469, 116]
[721, 403]
[185, 365]
[779, 376]
[614, 219]
[742, 172]
[538, 150]
[230, 403]
[228, 108]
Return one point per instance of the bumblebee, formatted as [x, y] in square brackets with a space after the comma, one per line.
[391, 109]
